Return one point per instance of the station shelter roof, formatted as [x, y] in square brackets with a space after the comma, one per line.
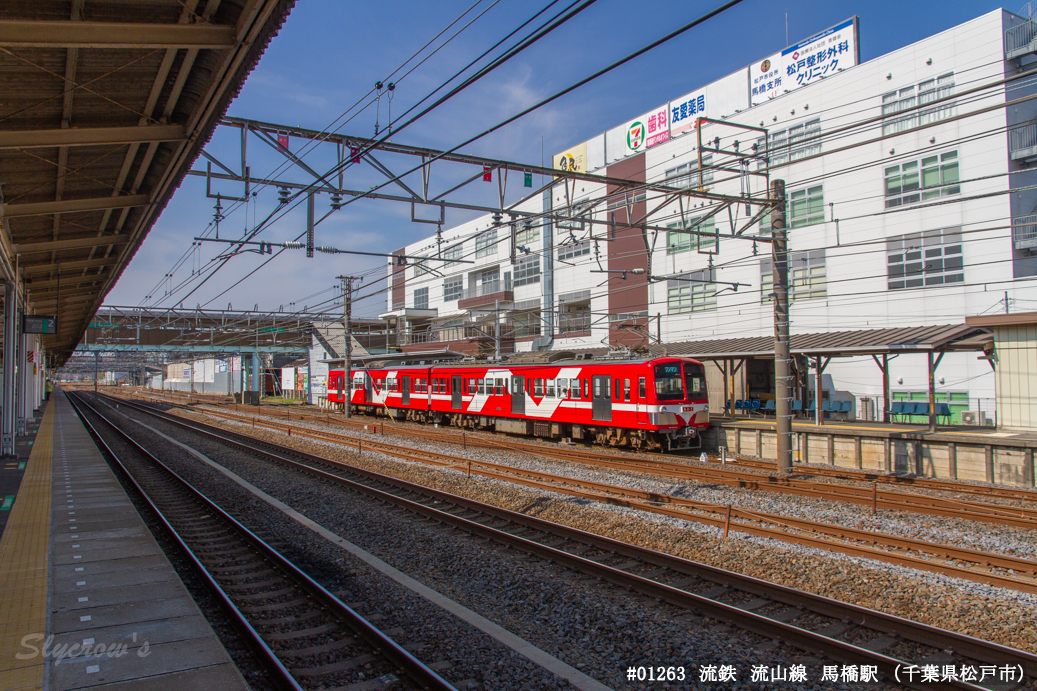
[912, 339]
[105, 107]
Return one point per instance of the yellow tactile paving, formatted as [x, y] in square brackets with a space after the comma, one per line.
[23, 566]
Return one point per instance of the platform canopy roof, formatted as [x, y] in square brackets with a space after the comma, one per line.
[104, 105]
[911, 339]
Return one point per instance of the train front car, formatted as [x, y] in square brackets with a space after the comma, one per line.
[680, 408]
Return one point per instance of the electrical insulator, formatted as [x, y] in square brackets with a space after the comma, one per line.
[336, 202]
[282, 196]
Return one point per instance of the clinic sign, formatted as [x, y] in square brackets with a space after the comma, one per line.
[811, 60]
[806, 62]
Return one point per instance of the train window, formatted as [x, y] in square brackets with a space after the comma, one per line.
[498, 388]
[626, 389]
[549, 391]
[641, 390]
[695, 380]
[480, 386]
[619, 391]
[538, 387]
[563, 388]
[668, 383]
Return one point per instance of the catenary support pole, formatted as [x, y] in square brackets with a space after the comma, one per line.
[347, 326]
[780, 279]
[8, 403]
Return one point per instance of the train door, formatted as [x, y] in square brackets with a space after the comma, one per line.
[405, 390]
[601, 398]
[455, 392]
[518, 395]
[642, 407]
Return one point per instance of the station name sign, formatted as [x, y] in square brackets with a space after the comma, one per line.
[37, 324]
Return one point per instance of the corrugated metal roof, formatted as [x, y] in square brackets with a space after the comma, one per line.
[919, 339]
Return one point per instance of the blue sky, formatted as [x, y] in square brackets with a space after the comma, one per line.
[331, 52]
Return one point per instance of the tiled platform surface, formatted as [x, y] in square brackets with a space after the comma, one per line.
[109, 584]
[13, 467]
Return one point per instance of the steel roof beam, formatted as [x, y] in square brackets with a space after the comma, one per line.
[70, 206]
[49, 267]
[73, 244]
[22, 33]
[90, 136]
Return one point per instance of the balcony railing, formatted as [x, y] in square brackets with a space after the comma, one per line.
[1024, 232]
[1022, 142]
[1021, 40]
[581, 322]
[484, 289]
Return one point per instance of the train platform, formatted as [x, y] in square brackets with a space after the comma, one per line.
[13, 468]
[983, 454]
[87, 597]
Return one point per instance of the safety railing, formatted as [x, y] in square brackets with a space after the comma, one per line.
[1024, 232]
[1021, 39]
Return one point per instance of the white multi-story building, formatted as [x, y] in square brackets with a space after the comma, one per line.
[910, 201]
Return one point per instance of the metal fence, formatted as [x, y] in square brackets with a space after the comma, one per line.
[1022, 138]
[1018, 39]
[1024, 232]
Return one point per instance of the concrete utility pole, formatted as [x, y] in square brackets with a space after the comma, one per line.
[780, 280]
[97, 358]
[347, 315]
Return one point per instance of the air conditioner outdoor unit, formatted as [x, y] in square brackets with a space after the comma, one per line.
[973, 417]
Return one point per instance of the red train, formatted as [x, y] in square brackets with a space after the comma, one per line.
[660, 403]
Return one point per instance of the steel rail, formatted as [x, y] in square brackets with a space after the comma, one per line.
[884, 499]
[907, 501]
[802, 638]
[607, 493]
[417, 671]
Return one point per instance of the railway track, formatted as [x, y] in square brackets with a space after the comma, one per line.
[871, 495]
[984, 567]
[307, 637]
[834, 630]
[799, 484]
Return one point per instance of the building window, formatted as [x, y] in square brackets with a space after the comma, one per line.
[455, 252]
[575, 216]
[526, 324]
[807, 276]
[571, 250]
[806, 207]
[682, 241]
[620, 200]
[421, 299]
[687, 175]
[421, 266]
[792, 144]
[527, 270]
[930, 178]
[693, 294]
[925, 259]
[909, 97]
[527, 234]
[486, 244]
[453, 287]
